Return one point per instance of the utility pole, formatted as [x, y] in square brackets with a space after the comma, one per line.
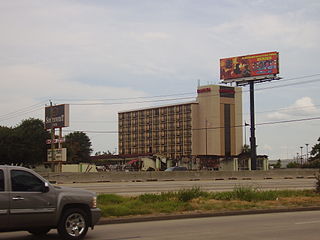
[307, 158]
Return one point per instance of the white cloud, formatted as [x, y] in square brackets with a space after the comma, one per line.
[289, 30]
[301, 107]
[27, 86]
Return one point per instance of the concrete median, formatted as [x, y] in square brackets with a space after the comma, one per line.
[177, 176]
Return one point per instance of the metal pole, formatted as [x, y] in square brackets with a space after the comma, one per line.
[252, 129]
[301, 155]
[60, 148]
[307, 152]
[206, 138]
[52, 137]
[245, 132]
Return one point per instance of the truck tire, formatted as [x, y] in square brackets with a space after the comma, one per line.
[73, 224]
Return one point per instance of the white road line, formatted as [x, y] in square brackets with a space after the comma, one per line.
[310, 222]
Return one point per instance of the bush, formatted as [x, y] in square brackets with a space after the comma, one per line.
[244, 193]
[223, 196]
[110, 199]
[293, 165]
[186, 195]
[152, 198]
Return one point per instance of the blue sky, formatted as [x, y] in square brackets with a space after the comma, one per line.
[92, 51]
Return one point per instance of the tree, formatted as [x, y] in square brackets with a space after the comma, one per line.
[24, 144]
[315, 152]
[293, 165]
[78, 147]
[33, 138]
[278, 164]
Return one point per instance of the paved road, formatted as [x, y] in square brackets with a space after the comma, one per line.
[280, 226]
[135, 188]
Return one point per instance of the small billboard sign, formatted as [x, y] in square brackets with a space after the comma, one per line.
[57, 116]
[249, 67]
[56, 140]
[60, 155]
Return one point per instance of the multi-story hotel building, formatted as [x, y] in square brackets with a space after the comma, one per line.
[209, 127]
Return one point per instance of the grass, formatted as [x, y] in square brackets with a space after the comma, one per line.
[194, 199]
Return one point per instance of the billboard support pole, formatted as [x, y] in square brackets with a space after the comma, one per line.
[253, 145]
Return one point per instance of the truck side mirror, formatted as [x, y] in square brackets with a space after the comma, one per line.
[45, 187]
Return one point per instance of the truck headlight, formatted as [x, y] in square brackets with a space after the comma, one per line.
[94, 202]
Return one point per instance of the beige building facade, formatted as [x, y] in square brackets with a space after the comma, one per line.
[208, 128]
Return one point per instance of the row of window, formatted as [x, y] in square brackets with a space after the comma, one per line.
[154, 121]
[156, 112]
[163, 149]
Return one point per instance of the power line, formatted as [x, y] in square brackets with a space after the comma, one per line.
[176, 94]
[148, 101]
[31, 108]
[206, 128]
[20, 114]
[176, 99]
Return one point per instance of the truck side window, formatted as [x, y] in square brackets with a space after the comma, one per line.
[1, 181]
[22, 181]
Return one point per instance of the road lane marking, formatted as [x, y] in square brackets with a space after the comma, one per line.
[309, 222]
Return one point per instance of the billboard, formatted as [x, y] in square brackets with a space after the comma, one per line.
[60, 155]
[249, 67]
[57, 116]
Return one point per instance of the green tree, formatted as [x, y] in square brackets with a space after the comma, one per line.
[24, 144]
[293, 165]
[78, 147]
[6, 141]
[315, 152]
[278, 164]
[33, 138]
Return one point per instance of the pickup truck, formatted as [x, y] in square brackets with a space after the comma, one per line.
[30, 203]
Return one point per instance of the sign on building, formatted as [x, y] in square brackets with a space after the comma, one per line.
[57, 116]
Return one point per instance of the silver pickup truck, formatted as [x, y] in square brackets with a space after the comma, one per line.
[29, 202]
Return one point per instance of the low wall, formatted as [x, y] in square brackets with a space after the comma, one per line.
[177, 176]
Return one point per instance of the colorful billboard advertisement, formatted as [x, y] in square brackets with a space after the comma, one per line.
[249, 67]
[57, 116]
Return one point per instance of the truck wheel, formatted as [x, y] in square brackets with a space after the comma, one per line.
[73, 224]
[39, 231]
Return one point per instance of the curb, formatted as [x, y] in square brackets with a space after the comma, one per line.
[104, 221]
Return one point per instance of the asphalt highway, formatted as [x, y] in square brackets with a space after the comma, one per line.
[136, 188]
[275, 226]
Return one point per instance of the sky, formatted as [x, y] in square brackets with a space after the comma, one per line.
[102, 57]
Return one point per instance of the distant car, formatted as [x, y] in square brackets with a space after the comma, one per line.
[176, 168]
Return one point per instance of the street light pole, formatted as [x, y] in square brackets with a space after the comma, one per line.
[245, 132]
[307, 152]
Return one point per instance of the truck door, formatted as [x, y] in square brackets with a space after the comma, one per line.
[30, 205]
[4, 202]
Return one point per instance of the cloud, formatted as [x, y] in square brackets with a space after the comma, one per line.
[301, 107]
[26, 90]
[290, 30]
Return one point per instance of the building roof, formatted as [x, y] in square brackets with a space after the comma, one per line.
[160, 106]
